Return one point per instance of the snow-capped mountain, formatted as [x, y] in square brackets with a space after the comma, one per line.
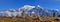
[37, 10]
[28, 10]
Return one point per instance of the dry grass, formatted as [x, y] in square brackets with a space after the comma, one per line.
[26, 19]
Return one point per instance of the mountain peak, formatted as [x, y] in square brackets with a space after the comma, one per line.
[38, 6]
[56, 9]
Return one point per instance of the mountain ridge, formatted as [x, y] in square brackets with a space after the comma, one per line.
[28, 10]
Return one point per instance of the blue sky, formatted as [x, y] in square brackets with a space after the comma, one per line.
[12, 4]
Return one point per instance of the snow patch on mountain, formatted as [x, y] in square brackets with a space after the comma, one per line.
[28, 7]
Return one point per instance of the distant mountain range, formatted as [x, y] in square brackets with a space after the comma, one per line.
[29, 10]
